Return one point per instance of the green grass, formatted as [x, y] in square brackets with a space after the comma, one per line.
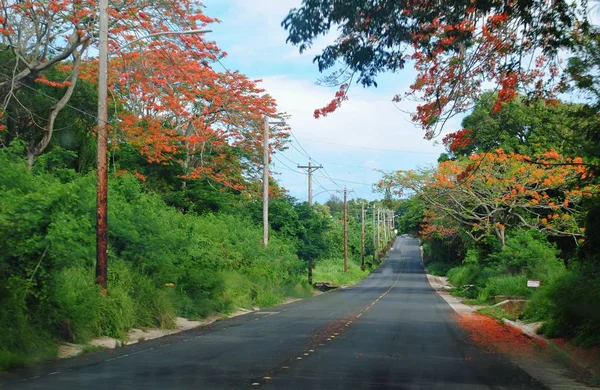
[243, 291]
[510, 285]
[497, 313]
[332, 270]
[438, 268]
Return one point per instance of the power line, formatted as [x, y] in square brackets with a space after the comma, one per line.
[299, 144]
[94, 116]
[288, 167]
[368, 148]
[328, 176]
[356, 166]
[290, 160]
[347, 181]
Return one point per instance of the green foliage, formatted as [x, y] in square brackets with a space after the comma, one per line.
[47, 288]
[522, 127]
[332, 270]
[498, 313]
[410, 216]
[466, 275]
[313, 243]
[28, 112]
[510, 285]
[505, 272]
[438, 268]
[449, 250]
[568, 305]
[529, 253]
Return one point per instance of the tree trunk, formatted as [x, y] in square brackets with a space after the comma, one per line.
[501, 237]
[39, 148]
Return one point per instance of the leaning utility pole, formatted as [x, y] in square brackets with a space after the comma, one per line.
[266, 183]
[362, 219]
[102, 189]
[311, 168]
[345, 230]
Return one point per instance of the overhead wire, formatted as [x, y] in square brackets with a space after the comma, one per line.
[368, 148]
[286, 166]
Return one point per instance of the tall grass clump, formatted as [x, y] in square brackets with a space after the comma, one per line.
[332, 270]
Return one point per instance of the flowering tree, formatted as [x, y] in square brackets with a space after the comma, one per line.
[168, 100]
[492, 191]
[456, 46]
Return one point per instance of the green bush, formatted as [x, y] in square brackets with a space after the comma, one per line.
[438, 268]
[511, 285]
[332, 270]
[22, 338]
[528, 252]
[47, 288]
[568, 305]
[466, 275]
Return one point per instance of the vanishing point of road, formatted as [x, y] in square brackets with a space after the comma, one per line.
[390, 331]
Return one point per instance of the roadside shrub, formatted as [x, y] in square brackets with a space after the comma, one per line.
[465, 275]
[332, 270]
[47, 278]
[438, 268]
[527, 252]
[569, 307]
[22, 340]
[511, 285]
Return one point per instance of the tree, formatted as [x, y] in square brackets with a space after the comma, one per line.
[26, 116]
[456, 46]
[43, 35]
[481, 196]
[335, 204]
[167, 99]
[177, 110]
[311, 233]
[410, 215]
[522, 127]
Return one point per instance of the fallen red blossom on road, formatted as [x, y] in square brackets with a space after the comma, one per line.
[494, 336]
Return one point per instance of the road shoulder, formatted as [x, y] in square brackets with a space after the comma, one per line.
[531, 352]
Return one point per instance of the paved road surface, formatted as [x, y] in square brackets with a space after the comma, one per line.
[390, 331]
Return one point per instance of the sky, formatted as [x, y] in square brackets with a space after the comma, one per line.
[367, 134]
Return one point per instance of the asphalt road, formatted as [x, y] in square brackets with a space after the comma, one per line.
[390, 331]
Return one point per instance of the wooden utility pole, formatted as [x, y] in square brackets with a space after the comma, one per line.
[362, 219]
[385, 236]
[311, 168]
[266, 183]
[345, 230]
[374, 238]
[378, 230]
[102, 186]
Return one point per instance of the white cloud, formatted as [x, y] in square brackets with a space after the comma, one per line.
[369, 119]
[367, 132]
[370, 164]
[254, 28]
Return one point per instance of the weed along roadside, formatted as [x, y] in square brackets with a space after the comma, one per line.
[329, 275]
[327, 269]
